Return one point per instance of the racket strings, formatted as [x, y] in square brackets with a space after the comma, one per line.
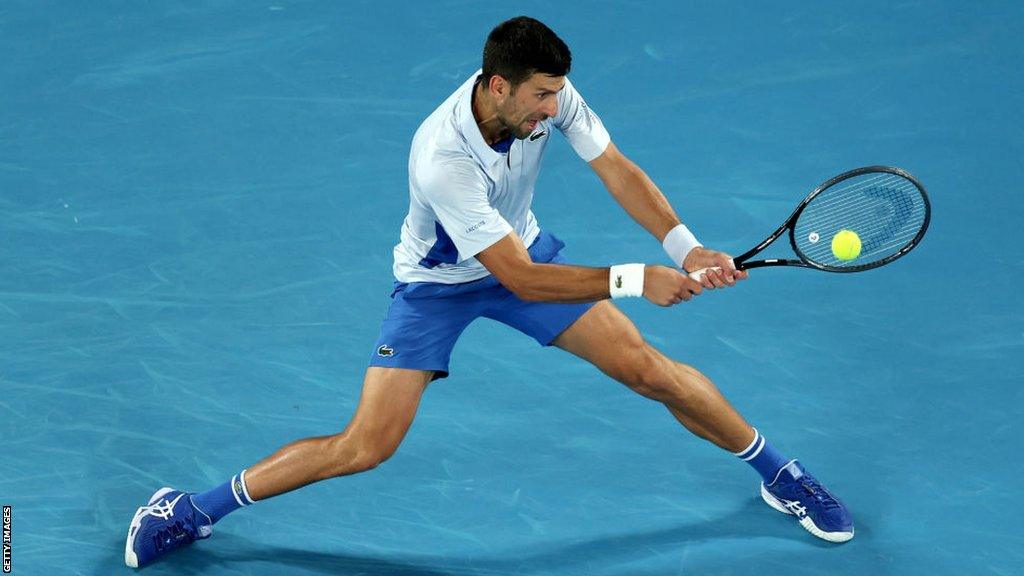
[877, 211]
[885, 210]
[885, 199]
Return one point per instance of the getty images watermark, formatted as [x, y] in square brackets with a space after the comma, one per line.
[7, 539]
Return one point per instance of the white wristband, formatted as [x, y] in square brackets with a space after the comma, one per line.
[678, 243]
[626, 280]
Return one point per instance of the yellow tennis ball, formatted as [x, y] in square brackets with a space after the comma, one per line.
[846, 245]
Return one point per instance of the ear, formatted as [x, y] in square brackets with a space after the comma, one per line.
[499, 88]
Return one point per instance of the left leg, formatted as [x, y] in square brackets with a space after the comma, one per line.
[606, 338]
[601, 334]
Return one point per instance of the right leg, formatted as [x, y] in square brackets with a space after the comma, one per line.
[414, 347]
[386, 409]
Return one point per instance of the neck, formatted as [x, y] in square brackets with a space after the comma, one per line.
[485, 112]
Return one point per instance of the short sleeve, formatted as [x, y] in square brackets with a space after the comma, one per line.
[580, 125]
[457, 192]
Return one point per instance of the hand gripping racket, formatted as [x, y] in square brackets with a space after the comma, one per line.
[885, 207]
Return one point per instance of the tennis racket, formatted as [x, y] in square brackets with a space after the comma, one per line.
[885, 207]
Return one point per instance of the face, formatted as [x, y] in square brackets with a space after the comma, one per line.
[534, 100]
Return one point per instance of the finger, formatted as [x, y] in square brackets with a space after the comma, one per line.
[718, 279]
[696, 274]
[709, 280]
[728, 270]
[706, 280]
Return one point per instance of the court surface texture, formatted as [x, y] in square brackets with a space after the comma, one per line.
[197, 209]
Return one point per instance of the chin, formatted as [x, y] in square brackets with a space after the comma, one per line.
[523, 132]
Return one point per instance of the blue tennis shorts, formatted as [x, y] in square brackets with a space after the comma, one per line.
[425, 319]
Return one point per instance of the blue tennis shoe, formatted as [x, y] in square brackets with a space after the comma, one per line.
[794, 491]
[167, 523]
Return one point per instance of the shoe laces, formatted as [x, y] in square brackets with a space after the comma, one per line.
[811, 485]
[162, 509]
[172, 536]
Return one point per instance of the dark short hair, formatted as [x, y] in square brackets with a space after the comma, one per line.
[522, 46]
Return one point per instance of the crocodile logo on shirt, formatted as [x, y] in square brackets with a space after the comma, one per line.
[540, 134]
[385, 351]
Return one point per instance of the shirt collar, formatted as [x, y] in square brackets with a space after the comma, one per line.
[487, 156]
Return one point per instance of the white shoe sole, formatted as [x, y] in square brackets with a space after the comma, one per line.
[130, 558]
[806, 521]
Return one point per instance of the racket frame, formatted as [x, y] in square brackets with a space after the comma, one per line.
[741, 261]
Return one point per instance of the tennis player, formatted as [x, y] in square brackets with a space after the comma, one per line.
[471, 247]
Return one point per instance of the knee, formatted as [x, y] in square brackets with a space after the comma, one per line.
[360, 450]
[373, 456]
[646, 371]
[652, 375]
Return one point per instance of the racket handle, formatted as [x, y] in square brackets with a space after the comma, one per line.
[695, 275]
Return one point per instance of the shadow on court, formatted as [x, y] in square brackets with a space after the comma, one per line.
[233, 552]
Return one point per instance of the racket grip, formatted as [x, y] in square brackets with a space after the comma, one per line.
[695, 275]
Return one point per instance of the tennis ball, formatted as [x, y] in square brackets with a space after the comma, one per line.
[846, 245]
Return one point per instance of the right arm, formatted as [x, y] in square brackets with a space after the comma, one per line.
[509, 262]
[458, 194]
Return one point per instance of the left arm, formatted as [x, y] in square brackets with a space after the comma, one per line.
[644, 202]
[635, 192]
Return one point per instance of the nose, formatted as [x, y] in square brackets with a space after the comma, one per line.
[551, 108]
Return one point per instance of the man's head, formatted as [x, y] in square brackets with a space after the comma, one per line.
[525, 64]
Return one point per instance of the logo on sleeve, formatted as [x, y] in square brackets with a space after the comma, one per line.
[385, 351]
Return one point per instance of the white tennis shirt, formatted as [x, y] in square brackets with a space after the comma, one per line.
[464, 196]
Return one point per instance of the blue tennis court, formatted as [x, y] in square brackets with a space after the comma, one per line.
[198, 204]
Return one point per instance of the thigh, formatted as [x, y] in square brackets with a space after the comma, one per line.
[389, 401]
[609, 340]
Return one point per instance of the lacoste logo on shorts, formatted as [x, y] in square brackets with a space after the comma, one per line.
[385, 351]
[537, 135]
